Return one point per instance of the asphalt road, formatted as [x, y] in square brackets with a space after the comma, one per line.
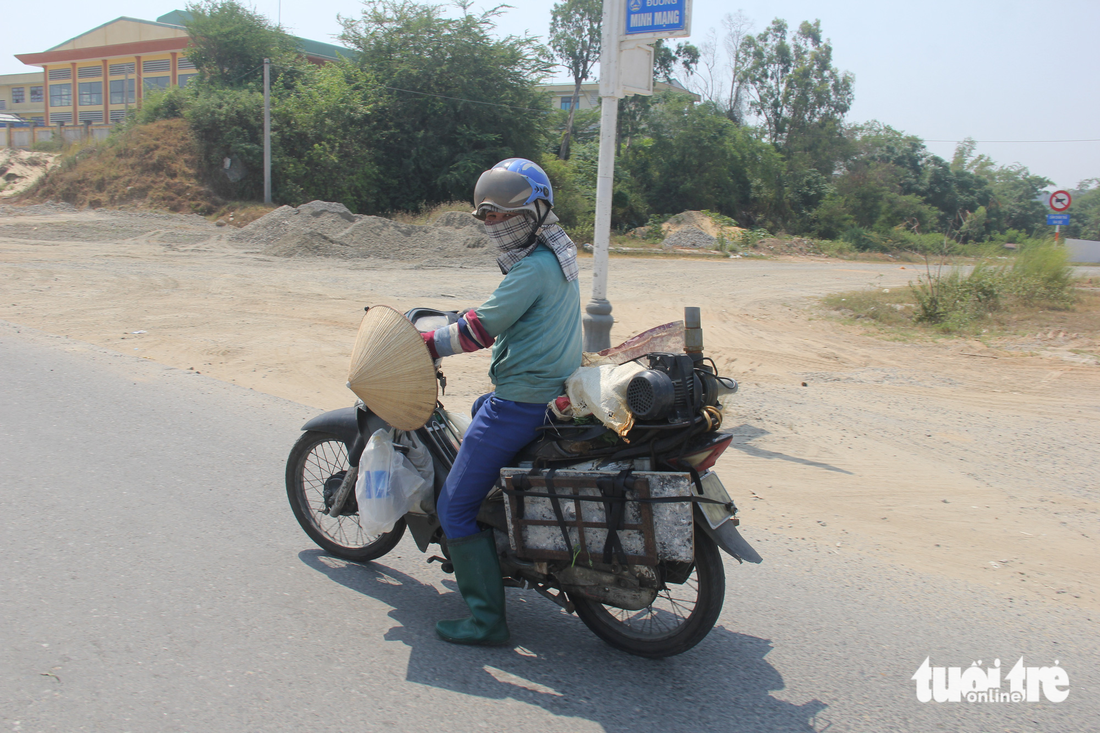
[152, 578]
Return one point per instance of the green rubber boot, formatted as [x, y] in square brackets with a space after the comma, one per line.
[477, 572]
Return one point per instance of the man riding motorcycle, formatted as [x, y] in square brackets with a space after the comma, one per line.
[532, 321]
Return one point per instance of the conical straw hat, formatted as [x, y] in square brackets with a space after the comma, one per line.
[391, 369]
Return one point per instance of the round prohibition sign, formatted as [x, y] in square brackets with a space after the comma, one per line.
[1060, 200]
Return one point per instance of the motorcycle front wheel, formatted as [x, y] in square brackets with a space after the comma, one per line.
[315, 460]
[678, 619]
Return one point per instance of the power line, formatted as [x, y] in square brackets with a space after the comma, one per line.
[471, 101]
[986, 142]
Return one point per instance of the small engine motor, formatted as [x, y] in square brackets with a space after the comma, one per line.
[676, 387]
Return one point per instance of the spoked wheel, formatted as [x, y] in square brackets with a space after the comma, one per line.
[319, 461]
[677, 620]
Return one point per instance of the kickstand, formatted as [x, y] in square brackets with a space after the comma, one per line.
[444, 564]
[561, 599]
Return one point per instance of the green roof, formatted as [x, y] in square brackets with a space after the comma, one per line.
[318, 49]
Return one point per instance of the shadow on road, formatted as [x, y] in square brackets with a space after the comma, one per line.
[744, 434]
[724, 684]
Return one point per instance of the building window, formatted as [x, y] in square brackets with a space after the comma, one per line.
[565, 102]
[91, 93]
[61, 95]
[120, 69]
[36, 95]
[38, 120]
[183, 63]
[18, 95]
[89, 72]
[63, 117]
[3, 104]
[59, 74]
[155, 83]
[95, 117]
[183, 79]
[118, 91]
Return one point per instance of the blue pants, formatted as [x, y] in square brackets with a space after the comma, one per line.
[499, 429]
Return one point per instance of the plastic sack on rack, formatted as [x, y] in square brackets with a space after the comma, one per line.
[601, 391]
[388, 484]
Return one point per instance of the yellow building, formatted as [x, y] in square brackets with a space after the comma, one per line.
[23, 95]
[98, 76]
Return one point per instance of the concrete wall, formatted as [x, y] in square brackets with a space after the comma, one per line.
[1083, 250]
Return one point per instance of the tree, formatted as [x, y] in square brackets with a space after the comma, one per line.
[693, 157]
[228, 40]
[575, 30]
[722, 60]
[1015, 201]
[792, 84]
[454, 99]
[666, 59]
[1085, 223]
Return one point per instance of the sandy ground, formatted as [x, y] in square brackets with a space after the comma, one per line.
[949, 458]
[19, 169]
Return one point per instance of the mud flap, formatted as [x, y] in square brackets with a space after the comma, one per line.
[729, 539]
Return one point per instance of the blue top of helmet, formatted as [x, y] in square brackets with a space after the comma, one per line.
[541, 190]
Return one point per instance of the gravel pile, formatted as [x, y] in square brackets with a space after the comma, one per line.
[689, 237]
[326, 229]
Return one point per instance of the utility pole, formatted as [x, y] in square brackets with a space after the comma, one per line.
[267, 131]
[597, 318]
[626, 68]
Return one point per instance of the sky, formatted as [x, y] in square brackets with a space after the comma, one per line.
[1006, 73]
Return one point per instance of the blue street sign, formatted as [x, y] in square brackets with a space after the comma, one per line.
[1057, 219]
[655, 16]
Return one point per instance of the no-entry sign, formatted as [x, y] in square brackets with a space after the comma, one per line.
[1060, 200]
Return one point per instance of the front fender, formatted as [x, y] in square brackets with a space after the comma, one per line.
[729, 539]
[352, 425]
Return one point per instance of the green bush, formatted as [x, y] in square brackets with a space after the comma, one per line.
[161, 105]
[954, 301]
[1041, 274]
[864, 240]
[751, 238]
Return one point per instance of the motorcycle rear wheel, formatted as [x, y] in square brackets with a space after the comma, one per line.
[678, 619]
[316, 458]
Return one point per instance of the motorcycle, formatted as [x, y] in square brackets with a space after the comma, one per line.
[624, 531]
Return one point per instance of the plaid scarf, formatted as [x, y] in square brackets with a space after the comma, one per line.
[510, 237]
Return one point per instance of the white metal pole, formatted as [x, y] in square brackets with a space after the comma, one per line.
[597, 318]
[267, 131]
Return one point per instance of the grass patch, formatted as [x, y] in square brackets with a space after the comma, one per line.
[891, 307]
[1035, 294]
[955, 301]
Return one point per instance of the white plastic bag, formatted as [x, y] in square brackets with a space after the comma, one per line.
[421, 461]
[387, 485]
[601, 391]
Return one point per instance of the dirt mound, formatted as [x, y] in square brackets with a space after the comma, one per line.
[325, 229]
[154, 166]
[702, 221]
[689, 237]
[21, 169]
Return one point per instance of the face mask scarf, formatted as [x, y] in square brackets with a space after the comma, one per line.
[511, 237]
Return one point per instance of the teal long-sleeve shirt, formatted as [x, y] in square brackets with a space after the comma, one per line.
[535, 317]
